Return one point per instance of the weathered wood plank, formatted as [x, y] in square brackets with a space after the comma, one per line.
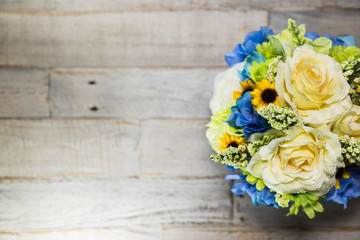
[262, 216]
[132, 233]
[68, 148]
[230, 233]
[160, 5]
[50, 205]
[132, 93]
[177, 148]
[332, 22]
[23, 92]
[191, 38]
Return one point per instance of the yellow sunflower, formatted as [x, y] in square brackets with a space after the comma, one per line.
[245, 86]
[264, 94]
[358, 89]
[230, 140]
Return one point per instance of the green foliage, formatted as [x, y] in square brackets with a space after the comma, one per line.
[217, 127]
[321, 45]
[264, 70]
[294, 34]
[267, 50]
[283, 200]
[271, 49]
[259, 70]
[309, 204]
[342, 53]
[277, 47]
[258, 182]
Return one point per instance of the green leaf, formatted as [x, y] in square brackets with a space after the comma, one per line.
[297, 32]
[277, 47]
[303, 199]
[309, 211]
[291, 210]
[260, 185]
[312, 197]
[318, 207]
[251, 179]
[296, 211]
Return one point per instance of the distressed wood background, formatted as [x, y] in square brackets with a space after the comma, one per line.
[103, 106]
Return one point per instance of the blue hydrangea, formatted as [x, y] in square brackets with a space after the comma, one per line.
[265, 197]
[230, 168]
[336, 41]
[349, 188]
[244, 116]
[252, 39]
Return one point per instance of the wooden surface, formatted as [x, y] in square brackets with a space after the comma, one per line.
[103, 107]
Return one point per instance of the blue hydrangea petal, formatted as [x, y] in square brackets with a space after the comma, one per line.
[235, 56]
[336, 41]
[347, 40]
[237, 177]
[349, 188]
[230, 168]
[312, 35]
[252, 39]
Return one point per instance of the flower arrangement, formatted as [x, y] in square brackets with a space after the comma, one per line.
[286, 119]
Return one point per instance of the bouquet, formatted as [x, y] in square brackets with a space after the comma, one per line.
[286, 119]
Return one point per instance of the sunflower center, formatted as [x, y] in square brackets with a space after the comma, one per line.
[269, 95]
[233, 144]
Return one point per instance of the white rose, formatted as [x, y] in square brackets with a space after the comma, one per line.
[313, 85]
[348, 124]
[306, 160]
[225, 84]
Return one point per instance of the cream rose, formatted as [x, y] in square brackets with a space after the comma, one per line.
[348, 124]
[305, 160]
[225, 84]
[313, 85]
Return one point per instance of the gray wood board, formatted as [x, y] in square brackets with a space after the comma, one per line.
[131, 233]
[24, 92]
[132, 93]
[177, 148]
[68, 148]
[333, 22]
[89, 203]
[156, 5]
[230, 233]
[124, 39]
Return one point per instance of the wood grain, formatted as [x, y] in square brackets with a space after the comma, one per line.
[132, 233]
[332, 22]
[160, 5]
[246, 214]
[124, 39]
[56, 205]
[132, 93]
[177, 148]
[230, 233]
[24, 92]
[68, 148]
